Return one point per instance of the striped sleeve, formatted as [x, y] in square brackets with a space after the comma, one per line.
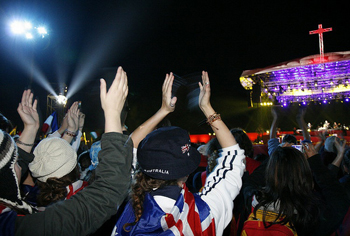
[223, 185]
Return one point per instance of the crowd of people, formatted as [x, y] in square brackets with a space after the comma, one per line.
[150, 182]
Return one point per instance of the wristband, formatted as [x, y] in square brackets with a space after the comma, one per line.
[70, 133]
[25, 144]
[212, 118]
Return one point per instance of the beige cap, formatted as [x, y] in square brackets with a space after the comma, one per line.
[54, 157]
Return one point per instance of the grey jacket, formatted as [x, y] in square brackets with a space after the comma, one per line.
[86, 211]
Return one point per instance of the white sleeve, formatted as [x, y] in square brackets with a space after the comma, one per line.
[223, 185]
[134, 162]
[76, 141]
[54, 134]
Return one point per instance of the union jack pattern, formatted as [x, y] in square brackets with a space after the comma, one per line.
[185, 148]
[189, 216]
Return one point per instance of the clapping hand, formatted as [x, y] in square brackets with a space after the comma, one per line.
[301, 113]
[27, 110]
[204, 95]
[112, 102]
[168, 103]
[340, 152]
[274, 113]
[81, 120]
[29, 115]
[309, 150]
[322, 135]
[73, 117]
[340, 147]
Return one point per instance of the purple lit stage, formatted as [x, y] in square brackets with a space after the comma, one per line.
[303, 80]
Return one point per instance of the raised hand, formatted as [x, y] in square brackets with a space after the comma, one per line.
[168, 103]
[322, 135]
[223, 134]
[27, 110]
[273, 129]
[112, 102]
[81, 120]
[309, 150]
[274, 112]
[302, 124]
[301, 113]
[29, 115]
[204, 95]
[340, 147]
[64, 124]
[73, 117]
[340, 152]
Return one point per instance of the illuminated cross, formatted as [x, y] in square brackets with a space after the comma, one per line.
[320, 32]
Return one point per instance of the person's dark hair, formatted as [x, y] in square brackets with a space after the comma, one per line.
[212, 152]
[212, 146]
[243, 140]
[84, 161]
[144, 184]
[54, 189]
[288, 138]
[289, 185]
[5, 124]
[261, 157]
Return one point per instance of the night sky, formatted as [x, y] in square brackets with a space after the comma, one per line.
[89, 39]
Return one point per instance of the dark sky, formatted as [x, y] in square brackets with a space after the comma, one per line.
[88, 39]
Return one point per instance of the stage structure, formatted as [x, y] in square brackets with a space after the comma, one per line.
[57, 103]
[310, 79]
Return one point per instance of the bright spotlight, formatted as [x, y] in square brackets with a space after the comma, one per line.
[26, 29]
[42, 31]
[17, 27]
[61, 99]
[27, 25]
[29, 36]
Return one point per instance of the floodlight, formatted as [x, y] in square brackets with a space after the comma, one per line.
[26, 29]
[42, 30]
[17, 27]
[61, 99]
[29, 36]
[27, 25]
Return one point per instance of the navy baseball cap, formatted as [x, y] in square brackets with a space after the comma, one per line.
[167, 154]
